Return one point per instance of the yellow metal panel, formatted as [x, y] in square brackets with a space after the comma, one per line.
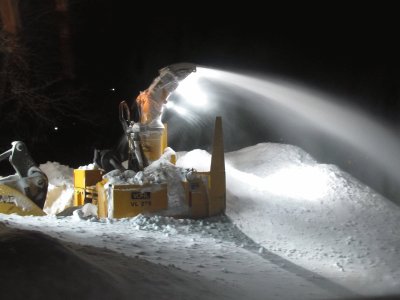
[79, 196]
[217, 193]
[22, 205]
[198, 198]
[164, 137]
[151, 142]
[84, 178]
[10, 208]
[199, 208]
[131, 200]
[84, 181]
[185, 186]
[91, 194]
[102, 202]
[217, 172]
[79, 178]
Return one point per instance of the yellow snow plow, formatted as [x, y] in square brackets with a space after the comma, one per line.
[25, 192]
[153, 184]
[142, 179]
[183, 193]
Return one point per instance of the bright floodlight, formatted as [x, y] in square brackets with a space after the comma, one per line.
[179, 109]
[190, 90]
[170, 105]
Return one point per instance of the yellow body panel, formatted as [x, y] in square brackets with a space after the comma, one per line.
[205, 194]
[79, 196]
[83, 179]
[217, 173]
[164, 138]
[102, 202]
[197, 199]
[20, 204]
[152, 144]
[131, 200]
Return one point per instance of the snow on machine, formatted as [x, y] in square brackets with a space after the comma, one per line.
[141, 179]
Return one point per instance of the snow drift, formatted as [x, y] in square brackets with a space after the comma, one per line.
[294, 228]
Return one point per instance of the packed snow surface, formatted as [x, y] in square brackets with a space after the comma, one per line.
[294, 229]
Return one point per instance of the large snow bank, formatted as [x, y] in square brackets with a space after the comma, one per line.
[316, 216]
[313, 216]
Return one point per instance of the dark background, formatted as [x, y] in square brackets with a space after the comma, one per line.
[351, 52]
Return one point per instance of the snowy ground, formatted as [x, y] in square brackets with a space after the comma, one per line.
[294, 229]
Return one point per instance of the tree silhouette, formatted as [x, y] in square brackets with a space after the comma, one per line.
[35, 92]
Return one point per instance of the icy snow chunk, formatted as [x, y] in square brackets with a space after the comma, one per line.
[58, 199]
[88, 167]
[87, 211]
[114, 177]
[60, 190]
[128, 174]
[138, 177]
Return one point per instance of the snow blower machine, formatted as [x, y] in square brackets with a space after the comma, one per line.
[144, 179]
[140, 179]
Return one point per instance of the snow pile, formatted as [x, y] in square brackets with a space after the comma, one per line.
[294, 229]
[267, 158]
[316, 216]
[197, 159]
[158, 172]
[60, 190]
[58, 174]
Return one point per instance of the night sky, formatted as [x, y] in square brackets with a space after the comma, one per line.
[351, 52]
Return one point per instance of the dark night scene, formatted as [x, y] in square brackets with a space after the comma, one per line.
[166, 151]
